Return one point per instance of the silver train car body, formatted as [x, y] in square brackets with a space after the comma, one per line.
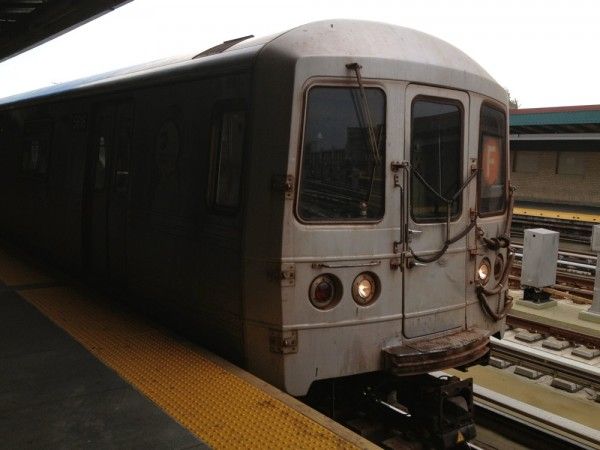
[366, 226]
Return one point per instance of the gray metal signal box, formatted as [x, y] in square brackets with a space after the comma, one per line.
[540, 253]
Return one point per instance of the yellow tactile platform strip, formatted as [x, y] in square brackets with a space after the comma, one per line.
[220, 403]
[16, 272]
[564, 215]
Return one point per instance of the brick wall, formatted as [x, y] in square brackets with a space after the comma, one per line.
[547, 186]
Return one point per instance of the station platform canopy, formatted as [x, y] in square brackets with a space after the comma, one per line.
[25, 24]
[563, 119]
[564, 128]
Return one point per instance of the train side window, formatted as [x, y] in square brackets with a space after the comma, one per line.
[436, 158]
[37, 140]
[227, 145]
[492, 161]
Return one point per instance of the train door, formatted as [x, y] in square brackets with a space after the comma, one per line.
[435, 145]
[107, 191]
[119, 193]
[95, 233]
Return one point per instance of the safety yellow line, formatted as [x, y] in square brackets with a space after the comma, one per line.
[218, 402]
[15, 272]
[564, 215]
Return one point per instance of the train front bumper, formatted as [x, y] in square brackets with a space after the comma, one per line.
[455, 350]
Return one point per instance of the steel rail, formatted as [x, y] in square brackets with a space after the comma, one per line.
[586, 294]
[584, 375]
[570, 335]
[528, 425]
[562, 262]
[567, 254]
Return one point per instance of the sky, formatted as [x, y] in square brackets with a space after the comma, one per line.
[544, 52]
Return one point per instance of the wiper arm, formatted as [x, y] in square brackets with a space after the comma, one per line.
[366, 113]
[373, 141]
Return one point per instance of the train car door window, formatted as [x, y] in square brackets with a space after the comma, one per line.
[227, 146]
[436, 158]
[100, 178]
[492, 161]
[343, 158]
[37, 139]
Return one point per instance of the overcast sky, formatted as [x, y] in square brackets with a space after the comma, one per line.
[544, 52]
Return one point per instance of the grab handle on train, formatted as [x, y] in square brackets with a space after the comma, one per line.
[413, 263]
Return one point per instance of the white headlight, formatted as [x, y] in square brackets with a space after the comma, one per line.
[365, 288]
[483, 272]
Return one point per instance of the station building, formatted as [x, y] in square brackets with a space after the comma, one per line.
[555, 158]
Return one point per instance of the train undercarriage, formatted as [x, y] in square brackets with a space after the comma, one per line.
[427, 411]
[403, 406]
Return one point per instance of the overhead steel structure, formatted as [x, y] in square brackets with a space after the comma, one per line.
[25, 24]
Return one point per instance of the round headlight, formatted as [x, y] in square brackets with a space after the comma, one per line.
[498, 266]
[325, 291]
[483, 272]
[365, 288]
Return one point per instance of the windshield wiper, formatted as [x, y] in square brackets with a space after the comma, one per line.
[373, 141]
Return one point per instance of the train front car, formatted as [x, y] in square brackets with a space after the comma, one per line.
[385, 175]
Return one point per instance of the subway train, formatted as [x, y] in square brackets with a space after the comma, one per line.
[329, 201]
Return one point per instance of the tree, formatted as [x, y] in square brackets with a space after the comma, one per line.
[513, 103]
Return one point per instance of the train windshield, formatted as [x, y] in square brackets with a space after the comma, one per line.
[492, 160]
[343, 159]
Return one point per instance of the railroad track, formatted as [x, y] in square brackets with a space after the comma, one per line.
[513, 420]
[582, 374]
[527, 425]
[548, 330]
[572, 231]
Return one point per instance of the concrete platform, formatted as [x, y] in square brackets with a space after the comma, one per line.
[78, 370]
[55, 394]
[534, 305]
[580, 214]
[565, 314]
[589, 316]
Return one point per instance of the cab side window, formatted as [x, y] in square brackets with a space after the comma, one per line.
[227, 148]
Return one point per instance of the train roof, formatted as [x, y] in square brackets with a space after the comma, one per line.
[385, 51]
[389, 51]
